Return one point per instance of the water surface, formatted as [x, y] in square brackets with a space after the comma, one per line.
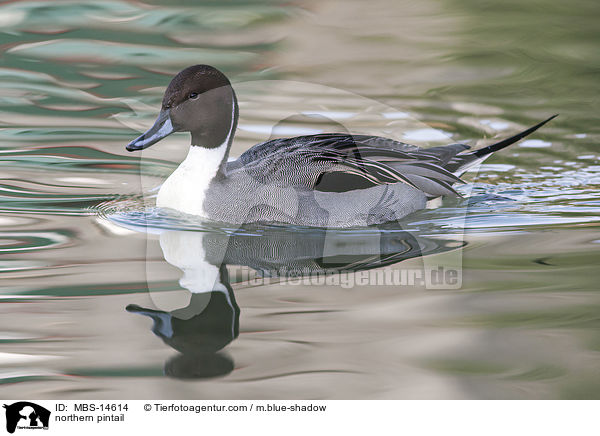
[76, 267]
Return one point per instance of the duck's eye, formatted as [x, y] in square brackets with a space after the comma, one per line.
[193, 96]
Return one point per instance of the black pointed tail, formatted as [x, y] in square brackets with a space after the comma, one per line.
[508, 141]
[463, 161]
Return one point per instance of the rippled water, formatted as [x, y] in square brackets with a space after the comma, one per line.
[80, 80]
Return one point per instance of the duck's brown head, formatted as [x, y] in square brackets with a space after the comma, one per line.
[199, 100]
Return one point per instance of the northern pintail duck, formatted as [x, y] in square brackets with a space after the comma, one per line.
[323, 180]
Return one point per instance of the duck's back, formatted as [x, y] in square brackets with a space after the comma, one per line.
[328, 180]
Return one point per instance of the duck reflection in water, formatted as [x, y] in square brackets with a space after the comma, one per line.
[200, 331]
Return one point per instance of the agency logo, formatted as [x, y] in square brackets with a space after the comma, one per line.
[26, 415]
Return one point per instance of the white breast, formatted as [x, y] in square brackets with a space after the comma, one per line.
[185, 189]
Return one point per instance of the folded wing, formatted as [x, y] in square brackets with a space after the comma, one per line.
[340, 162]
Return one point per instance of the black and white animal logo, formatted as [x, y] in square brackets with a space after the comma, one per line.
[24, 414]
